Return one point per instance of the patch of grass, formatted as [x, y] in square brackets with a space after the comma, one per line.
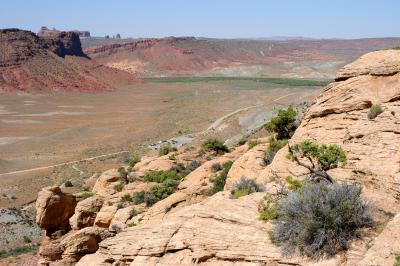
[68, 183]
[215, 145]
[220, 180]
[245, 187]
[294, 184]
[375, 110]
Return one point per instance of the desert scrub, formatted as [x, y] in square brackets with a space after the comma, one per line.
[86, 195]
[283, 124]
[126, 198]
[133, 161]
[397, 262]
[119, 187]
[161, 176]
[375, 110]
[68, 183]
[138, 198]
[215, 145]
[215, 167]
[242, 141]
[252, 143]
[293, 184]
[220, 180]
[268, 207]
[319, 219]
[244, 187]
[165, 149]
[274, 146]
[123, 174]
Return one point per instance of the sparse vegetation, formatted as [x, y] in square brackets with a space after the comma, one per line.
[273, 147]
[375, 110]
[86, 195]
[133, 161]
[123, 174]
[133, 213]
[252, 143]
[397, 262]
[294, 184]
[319, 219]
[162, 176]
[27, 239]
[165, 149]
[139, 197]
[68, 183]
[321, 158]
[244, 187]
[215, 145]
[215, 167]
[242, 141]
[119, 187]
[268, 207]
[126, 198]
[17, 251]
[283, 124]
[219, 181]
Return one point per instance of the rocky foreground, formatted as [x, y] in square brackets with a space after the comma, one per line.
[106, 227]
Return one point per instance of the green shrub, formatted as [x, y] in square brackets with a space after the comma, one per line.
[220, 180]
[397, 262]
[319, 219]
[139, 197]
[119, 187]
[269, 205]
[245, 187]
[283, 124]
[215, 167]
[215, 145]
[161, 176]
[133, 161]
[123, 174]
[133, 213]
[165, 149]
[86, 195]
[193, 165]
[375, 110]
[68, 183]
[126, 198]
[274, 146]
[242, 141]
[294, 184]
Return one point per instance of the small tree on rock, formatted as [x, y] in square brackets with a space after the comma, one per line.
[283, 124]
[319, 158]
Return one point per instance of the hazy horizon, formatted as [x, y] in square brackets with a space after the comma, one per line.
[254, 19]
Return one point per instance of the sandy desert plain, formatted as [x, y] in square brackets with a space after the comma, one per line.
[40, 130]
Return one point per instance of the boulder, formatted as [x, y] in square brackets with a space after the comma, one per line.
[105, 183]
[86, 212]
[105, 215]
[120, 218]
[82, 242]
[54, 208]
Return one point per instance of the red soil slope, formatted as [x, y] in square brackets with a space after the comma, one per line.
[57, 63]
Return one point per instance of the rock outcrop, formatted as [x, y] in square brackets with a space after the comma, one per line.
[54, 208]
[86, 212]
[55, 62]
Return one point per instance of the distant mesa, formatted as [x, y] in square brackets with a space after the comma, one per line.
[46, 32]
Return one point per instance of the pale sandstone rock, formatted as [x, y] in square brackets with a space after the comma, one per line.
[53, 209]
[85, 212]
[162, 163]
[91, 181]
[105, 183]
[385, 62]
[248, 165]
[82, 242]
[105, 215]
[121, 217]
[385, 247]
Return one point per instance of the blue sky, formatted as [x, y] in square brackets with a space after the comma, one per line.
[209, 18]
